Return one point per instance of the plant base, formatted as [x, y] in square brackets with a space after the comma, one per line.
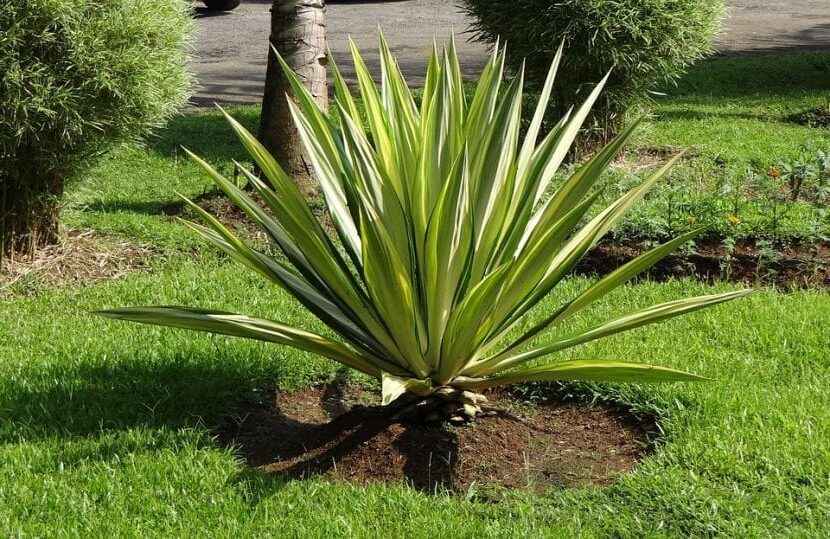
[335, 432]
[28, 221]
[445, 404]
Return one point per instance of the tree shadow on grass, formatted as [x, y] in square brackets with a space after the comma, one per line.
[92, 398]
[697, 115]
[227, 403]
[167, 208]
[206, 133]
[792, 73]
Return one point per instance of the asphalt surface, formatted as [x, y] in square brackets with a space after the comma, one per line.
[230, 48]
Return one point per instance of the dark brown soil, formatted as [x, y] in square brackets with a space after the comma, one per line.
[788, 266]
[322, 431]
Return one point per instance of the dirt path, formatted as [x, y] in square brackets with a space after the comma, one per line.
[230, 47]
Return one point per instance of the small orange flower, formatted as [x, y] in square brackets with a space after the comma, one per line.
[692, 219]
[774, 172]
[733, 220]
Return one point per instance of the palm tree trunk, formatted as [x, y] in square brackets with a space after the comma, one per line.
[298, 33]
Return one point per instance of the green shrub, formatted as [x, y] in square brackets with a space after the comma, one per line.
[77, 77]
[647, 42]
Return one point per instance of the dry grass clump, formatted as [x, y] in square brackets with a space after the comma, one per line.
[81, 256]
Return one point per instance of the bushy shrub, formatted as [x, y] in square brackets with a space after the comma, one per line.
[647, 42]
[77, 77]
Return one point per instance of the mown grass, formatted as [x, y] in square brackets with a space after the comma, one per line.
[739, 108]
[108, 428]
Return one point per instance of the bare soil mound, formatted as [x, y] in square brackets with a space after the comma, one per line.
[330, 431]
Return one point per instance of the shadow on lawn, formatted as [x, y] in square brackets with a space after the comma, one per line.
[168, 208]
[790, 73]
[91, 399]
[207, 134]
[96, 401]
[689, 114]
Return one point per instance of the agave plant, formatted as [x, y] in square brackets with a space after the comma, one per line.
[448, 229]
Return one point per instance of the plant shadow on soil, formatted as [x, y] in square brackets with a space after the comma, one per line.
[330, 431]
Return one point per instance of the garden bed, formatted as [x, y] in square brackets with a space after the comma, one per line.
[785, 265]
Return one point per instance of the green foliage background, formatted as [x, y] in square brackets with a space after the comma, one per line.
[646, 42]
[77, 77]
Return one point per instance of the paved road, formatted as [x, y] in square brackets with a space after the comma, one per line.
[231, 47]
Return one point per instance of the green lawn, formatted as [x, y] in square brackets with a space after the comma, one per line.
[737, 107]
[108, 428]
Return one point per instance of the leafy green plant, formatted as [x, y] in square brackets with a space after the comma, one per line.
[772, 198]
[823, 179]
[444, 238]
[646, 42]
[76, 78]
[797, 174]
[699, 194]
